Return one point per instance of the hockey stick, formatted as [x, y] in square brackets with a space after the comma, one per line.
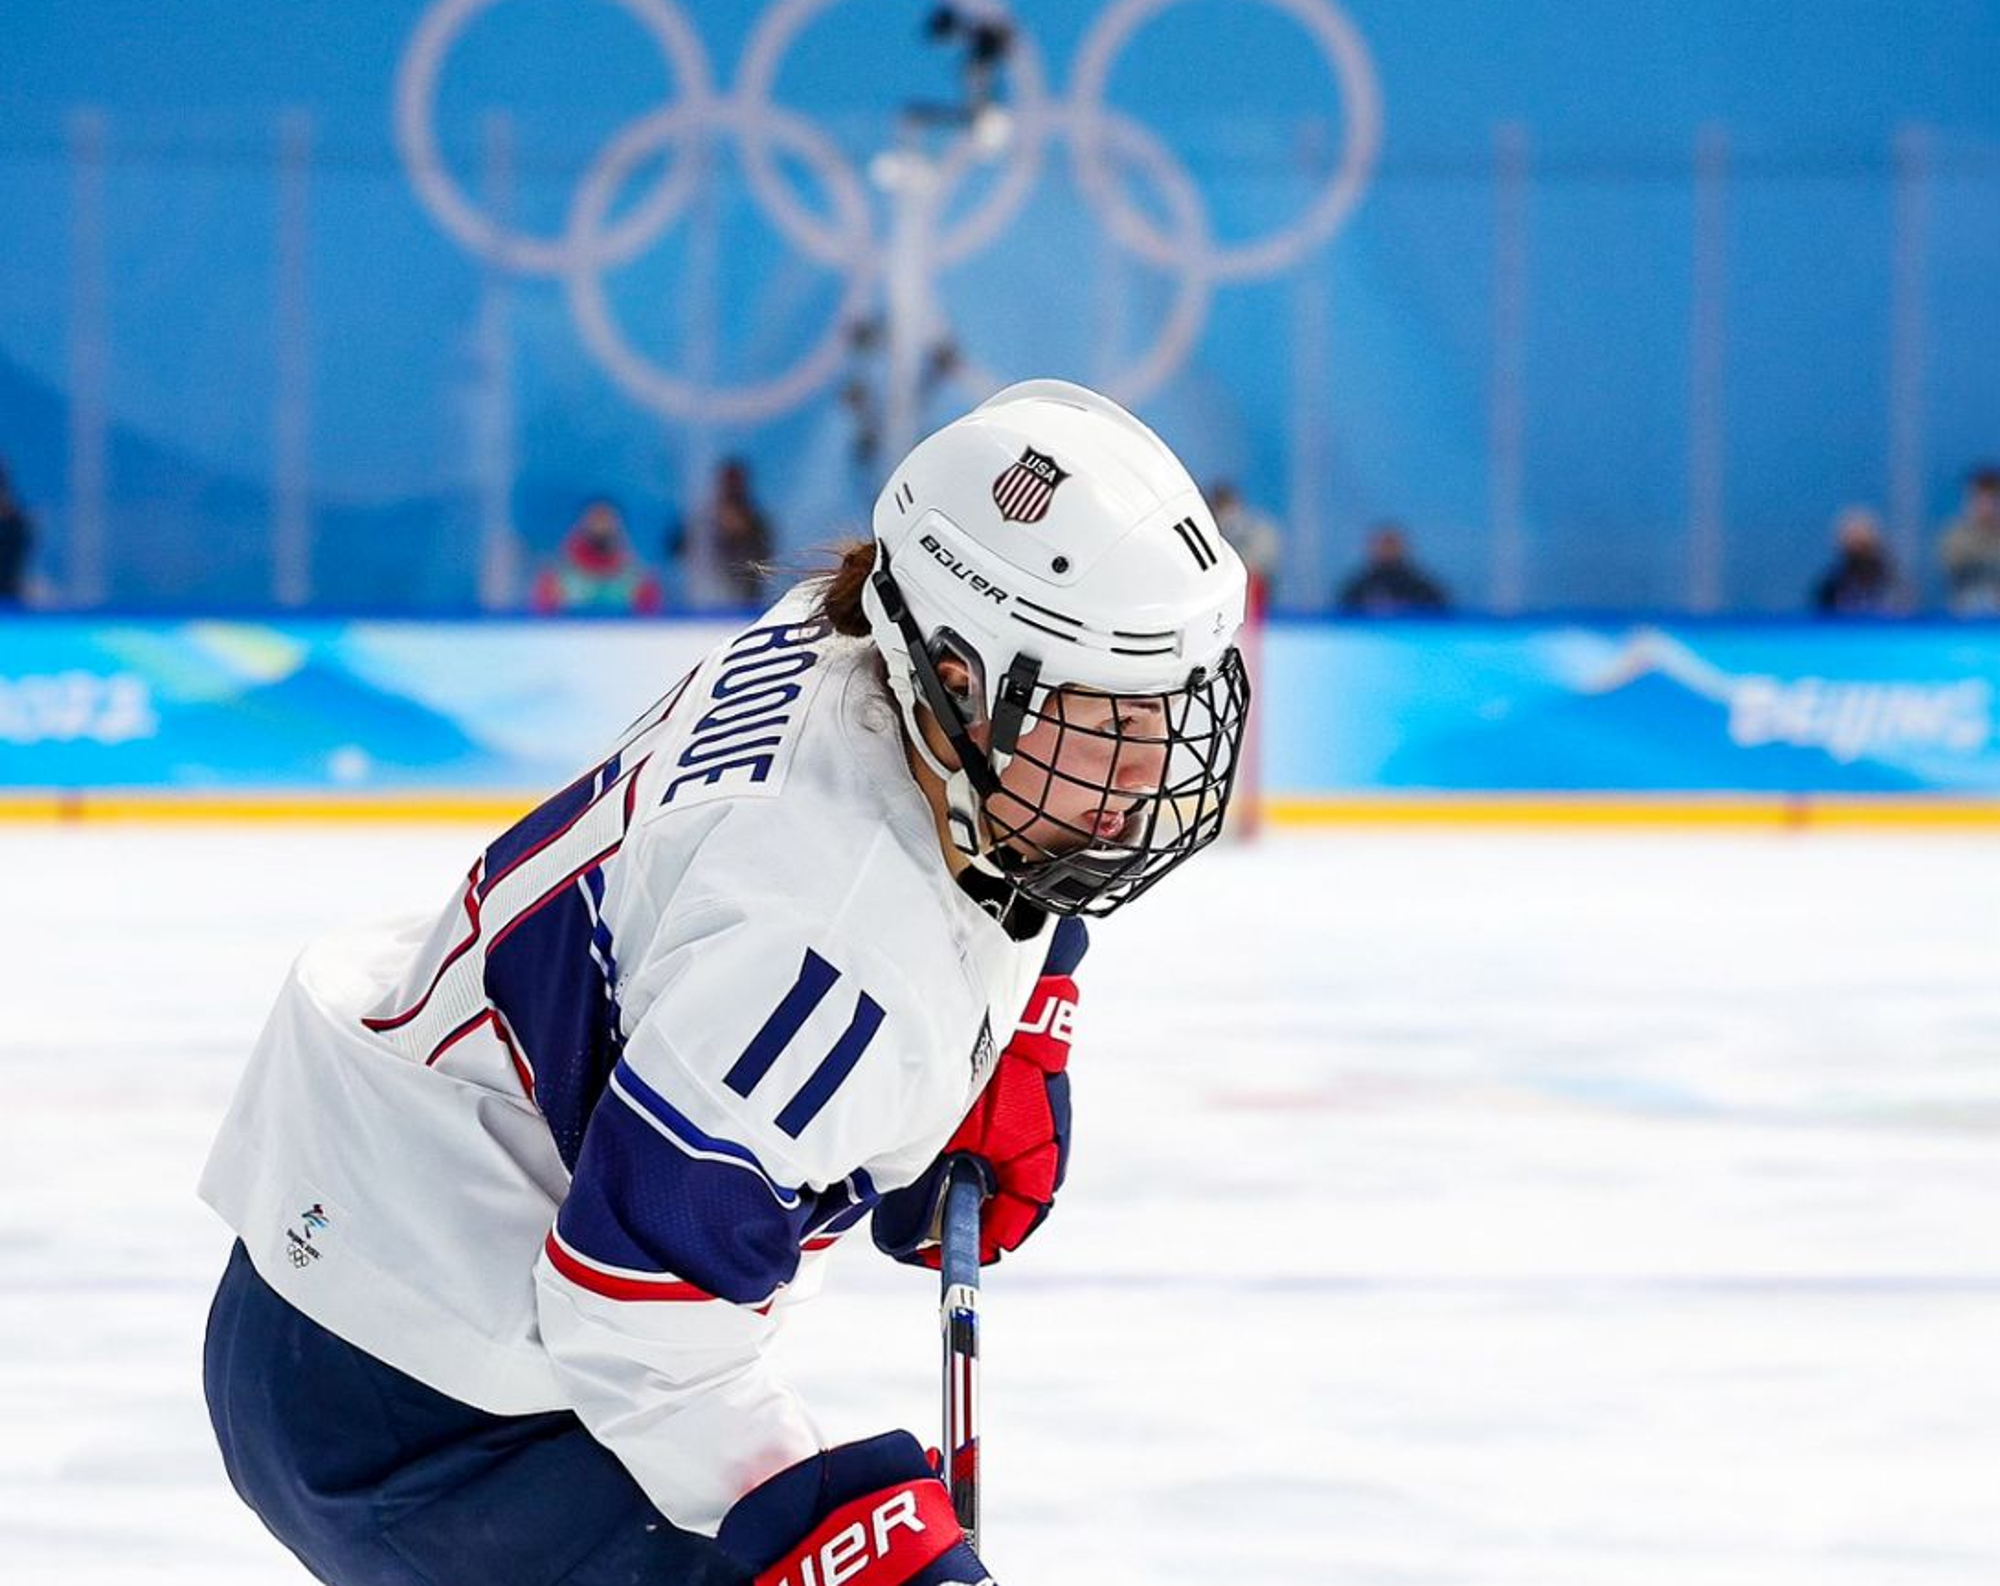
[958, 1311]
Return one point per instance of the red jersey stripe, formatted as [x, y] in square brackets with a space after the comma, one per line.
[617, 1288]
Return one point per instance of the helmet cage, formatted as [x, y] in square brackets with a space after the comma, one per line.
[1123, 832]
[1117, 840]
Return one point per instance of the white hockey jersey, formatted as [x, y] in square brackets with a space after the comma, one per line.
[576, 1143]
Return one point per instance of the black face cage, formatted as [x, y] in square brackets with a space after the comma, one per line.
[1164, 764]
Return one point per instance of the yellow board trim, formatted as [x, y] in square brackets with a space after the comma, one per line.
[1414, 809]
[224, 808]
[1777, 811]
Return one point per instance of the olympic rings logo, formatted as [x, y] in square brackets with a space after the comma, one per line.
[1094, 134]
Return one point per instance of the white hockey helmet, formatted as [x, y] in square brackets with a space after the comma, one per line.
[1050, 541]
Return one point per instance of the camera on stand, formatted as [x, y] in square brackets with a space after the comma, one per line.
[983, 36]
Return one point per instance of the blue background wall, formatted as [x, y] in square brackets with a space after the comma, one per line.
[1353, 385]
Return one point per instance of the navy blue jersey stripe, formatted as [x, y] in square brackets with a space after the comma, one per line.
[642, 1203]
[816, 978]
[541, 975]
[690, 1133]
[838, 1064]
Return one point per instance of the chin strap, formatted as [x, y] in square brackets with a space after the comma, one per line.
[911, 669]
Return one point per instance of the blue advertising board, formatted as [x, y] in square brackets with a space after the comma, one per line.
[319, 706]
[1632, 709]
[449, 710]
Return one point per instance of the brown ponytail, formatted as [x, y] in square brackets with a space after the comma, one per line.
[839, 596]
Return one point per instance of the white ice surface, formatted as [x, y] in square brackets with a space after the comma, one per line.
[1575, 1211]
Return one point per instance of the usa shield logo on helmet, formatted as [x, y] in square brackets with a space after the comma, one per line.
[1025, 489]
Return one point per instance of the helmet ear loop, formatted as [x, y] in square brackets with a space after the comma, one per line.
[1013, 705]
[1011, 812]
[969, 783]
[988, 839]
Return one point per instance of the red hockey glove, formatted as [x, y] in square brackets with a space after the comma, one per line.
[869, 1514]
[1017, 1133]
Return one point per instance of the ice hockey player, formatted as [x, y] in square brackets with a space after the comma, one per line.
[523, 1191]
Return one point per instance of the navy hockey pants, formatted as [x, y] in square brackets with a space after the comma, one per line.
[373, 1479]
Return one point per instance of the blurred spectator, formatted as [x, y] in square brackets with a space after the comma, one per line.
[1389, 583]
[17, 536]
[1971, 548]
[595, 569]
[1861, 582]
[724, 547]
[1254, 535]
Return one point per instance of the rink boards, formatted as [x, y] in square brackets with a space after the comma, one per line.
[1418, 722]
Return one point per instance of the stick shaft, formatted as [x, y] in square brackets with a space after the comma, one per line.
[959, 1317]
